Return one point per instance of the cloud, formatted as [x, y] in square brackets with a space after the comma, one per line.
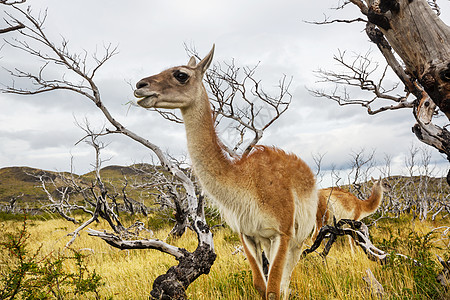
[41, 131]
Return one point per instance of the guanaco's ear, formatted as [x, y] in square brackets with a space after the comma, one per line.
[192, 62]
[372, 179]
[205, 62]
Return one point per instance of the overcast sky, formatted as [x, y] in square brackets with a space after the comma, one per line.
[40, 131]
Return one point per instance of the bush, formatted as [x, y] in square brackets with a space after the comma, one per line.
[30, 275]
[420, 265]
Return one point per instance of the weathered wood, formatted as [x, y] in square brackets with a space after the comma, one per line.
[433, 135]
[444, 276]
[118, 242]
[375, 287]
[421, 39]
[174, 283]
[359, 232]
[11, 28]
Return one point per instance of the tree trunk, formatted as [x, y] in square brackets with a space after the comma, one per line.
[173, 284]
[422, 41]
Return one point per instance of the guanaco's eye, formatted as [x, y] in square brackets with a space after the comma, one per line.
[181, 76]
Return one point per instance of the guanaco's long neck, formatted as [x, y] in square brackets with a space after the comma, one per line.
[209, 161]
[371, 204]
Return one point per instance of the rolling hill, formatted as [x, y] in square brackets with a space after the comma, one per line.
[24, 184]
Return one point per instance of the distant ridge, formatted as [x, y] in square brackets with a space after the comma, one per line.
[23, 182]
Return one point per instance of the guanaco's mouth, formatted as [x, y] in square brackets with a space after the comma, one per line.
[146, 100]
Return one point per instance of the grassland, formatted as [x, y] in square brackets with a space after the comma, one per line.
[130, 274]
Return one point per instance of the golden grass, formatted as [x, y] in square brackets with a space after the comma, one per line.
[130, 274]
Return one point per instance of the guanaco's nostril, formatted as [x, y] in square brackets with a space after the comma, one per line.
[141, 84]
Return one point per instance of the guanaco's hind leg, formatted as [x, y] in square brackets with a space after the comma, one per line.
[293, 256]
[277, 266]
[253, 252]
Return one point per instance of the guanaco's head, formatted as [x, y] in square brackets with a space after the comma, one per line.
[174, 88]
[381, 184]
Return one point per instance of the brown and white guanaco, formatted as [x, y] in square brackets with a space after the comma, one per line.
[268, 196]
[341, 204]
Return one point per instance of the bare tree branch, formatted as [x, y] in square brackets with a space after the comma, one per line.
[362, 6]
[13, 26]
[119, 243]
[237, 96]
[357, 73]
[327, 21]
[359, 232]
[434, 5]
[420, 64]
[12, 2]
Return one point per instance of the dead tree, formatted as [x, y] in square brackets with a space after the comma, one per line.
[167, 191]
[362, 163]
[61, 203]
[360, 234]
[67, 192]
[413, 31]
[422, 192]
[12, 206]
[78, 64]
[58, 58]
[238, 96]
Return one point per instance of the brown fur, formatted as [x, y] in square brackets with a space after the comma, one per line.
[344, 205]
